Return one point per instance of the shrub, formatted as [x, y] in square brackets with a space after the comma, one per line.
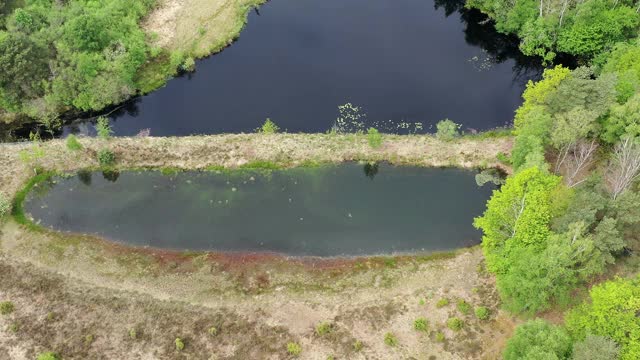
[294, 349]
[440, 336]
[537, 339]
[442, 303]
[357, 345]
[6, 307]
[133, 334]
[595, 347]
[323, 328]
[390, 339]
[5, 205]
[48, 356]
[106, 157]
[103, 128]
[482, 313]
[455, 324]
[269, 127]
[73, 144]
[421, 324]
[374, 137]
[463, 307]
[179, 344]
[188, 65]
[213, 331]
[447, 130]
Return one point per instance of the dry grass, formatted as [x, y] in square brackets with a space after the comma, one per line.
[197, 27]
[98, 291]
[200, 152]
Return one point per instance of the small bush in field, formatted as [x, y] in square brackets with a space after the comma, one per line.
[48, 356]
[73, 144]
[421, 324]
[5, 205]
[106, 157]
[483, 313]
[358, 345]
[447, 130]
[442, 303]
[323, 328]
[294, 349]
[455, 324]
[374, 137]
[6, 307]
[390, 339]
[179, 344]
[464, 307]
[269, 127]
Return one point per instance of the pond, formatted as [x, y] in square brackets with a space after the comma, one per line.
[401, 62]
[342, 210]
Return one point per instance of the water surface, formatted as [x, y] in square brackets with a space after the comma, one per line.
[329, 211]
[402, 61]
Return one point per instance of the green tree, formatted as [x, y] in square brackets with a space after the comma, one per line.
[536, 340]
[612, 312]
[623, 119]
[595, 347]
[518, 215]
[23, 67]
[447, 130]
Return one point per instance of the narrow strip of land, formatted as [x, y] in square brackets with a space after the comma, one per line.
[233, 151]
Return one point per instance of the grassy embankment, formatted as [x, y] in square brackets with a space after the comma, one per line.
[90, 293]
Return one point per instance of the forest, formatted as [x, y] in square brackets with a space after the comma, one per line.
[569, 214]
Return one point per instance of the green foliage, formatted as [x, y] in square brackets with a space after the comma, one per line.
[440, 336]
[71, 54]
[179, 344]
[442, 303]
[584, 29]
[133, 333]
[48, 356]
[538, 93]
[537, 339]
[294, 349]
[447, 130]
[324, 328]
[374, 138]
[72, 143]
[106, 157]
[597, 26]
[5, 205]
[189, 65]
[482, 313]
[421, 324]
[613, 313]
[531, 193]
[103, 128]
[623, 119]
[390, 339]
[489, 175]
[464, 307]
[358, 346]
[6, 307]
[595, 347]
[269, 127]
[455, 324]
[213, 331]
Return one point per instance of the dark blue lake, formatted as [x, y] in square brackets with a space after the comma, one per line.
[401, 61]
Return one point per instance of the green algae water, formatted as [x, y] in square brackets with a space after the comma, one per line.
[344, 210]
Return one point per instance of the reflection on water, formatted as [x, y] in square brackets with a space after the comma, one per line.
[327, 211]
[405, 62]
